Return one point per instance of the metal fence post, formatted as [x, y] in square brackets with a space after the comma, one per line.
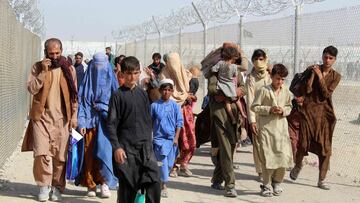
[159, 32]
[125, 48]
[241, 33]
[180, 41]
[205, 42]
[296, 40]
[160, 43]
[145, 47]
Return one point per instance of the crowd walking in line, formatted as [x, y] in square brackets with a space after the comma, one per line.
[137, 124]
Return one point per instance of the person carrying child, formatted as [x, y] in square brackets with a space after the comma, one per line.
[167, 123]
[227, 72]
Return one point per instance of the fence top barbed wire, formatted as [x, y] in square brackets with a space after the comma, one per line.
[210, 11]
[27, 13]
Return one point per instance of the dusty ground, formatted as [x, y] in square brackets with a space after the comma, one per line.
[17, 184]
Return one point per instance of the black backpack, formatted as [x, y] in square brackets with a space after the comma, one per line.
[299, 81]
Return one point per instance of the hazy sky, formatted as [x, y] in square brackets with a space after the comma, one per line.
[93, 20]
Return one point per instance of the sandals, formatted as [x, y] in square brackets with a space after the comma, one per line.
[323, 185]
[236, 166]
[277, 189]
[265, 191]
[217, 186]
[294, 173]
[231, 192]
[164, 193]
[185, 172]
[173, 173]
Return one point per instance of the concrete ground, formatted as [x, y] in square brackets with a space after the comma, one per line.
[17, 184]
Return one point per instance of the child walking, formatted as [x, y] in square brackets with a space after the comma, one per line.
[272, 104]
[227, 72]
[167, 123]
[129, 125]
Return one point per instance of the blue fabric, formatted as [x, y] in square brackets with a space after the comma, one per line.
[80, 72]
[167, 161]
[167, 117]
[95, 91]
[94, 95]
[74, 158]
[205, 102]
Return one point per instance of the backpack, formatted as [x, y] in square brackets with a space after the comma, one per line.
[209, 61]
[214, 57]
[299, 81]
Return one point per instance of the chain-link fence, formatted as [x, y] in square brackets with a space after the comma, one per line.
[18, 51]
[339, 27]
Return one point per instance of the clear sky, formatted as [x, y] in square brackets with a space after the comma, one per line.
[93, 20]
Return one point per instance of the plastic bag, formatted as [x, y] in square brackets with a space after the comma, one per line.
[140, 198]
[73, 156]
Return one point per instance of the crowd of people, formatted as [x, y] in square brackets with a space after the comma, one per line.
[138, 125]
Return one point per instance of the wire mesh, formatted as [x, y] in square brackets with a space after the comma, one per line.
[340, 27]
[19, 49]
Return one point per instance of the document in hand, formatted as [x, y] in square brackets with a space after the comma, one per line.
[76, 135]
[75, 155]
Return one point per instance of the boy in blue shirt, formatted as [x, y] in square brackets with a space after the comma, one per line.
[167, 122]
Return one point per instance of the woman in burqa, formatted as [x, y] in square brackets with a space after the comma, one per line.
[258, 78]
[94, 95]
[175, 71]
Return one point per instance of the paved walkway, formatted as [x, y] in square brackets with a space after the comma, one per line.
[17, 184]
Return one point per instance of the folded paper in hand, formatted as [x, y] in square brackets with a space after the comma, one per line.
[76, 135]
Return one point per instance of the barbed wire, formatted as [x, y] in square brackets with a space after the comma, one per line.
[27, 13]
[218, 11]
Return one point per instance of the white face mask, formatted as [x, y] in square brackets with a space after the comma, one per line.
[260, 65]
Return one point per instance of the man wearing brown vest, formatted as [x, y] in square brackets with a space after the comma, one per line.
[52, 82]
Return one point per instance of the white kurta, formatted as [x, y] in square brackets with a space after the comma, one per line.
[275, 146]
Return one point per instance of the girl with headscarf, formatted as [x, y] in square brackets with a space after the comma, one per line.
[187, 142]
[94, 95]
[258, 78]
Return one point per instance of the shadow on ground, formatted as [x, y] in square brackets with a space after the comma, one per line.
[28, 191]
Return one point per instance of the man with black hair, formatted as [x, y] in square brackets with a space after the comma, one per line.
[154, 70]
[130, 127]
[111, 57]
[80, 69]
[117, 69]
[53, 114]
[317, 116]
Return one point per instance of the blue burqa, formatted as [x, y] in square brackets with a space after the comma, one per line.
[94, 95]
